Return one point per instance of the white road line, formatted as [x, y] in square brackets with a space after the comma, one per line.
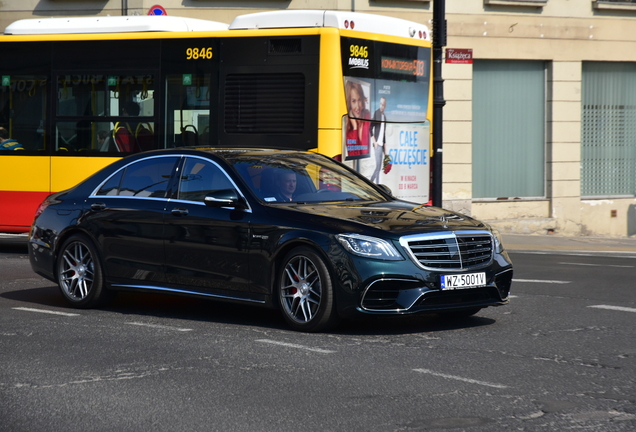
[542, 281]
[290, 345]
[597, 265]
[46, 311]
[164, 327]
[617, 308]
[468, 380]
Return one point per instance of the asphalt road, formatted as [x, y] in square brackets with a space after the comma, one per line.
[561, 356]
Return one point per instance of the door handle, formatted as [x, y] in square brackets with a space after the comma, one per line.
[180, 211]
[98, 206]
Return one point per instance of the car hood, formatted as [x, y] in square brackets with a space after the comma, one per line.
[398, 217]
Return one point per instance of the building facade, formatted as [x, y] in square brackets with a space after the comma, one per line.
[539, 123]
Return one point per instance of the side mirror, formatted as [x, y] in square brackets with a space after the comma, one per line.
[385, 189]
[225, 198]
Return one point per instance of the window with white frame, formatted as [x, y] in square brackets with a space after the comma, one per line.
[509, 129]
[527, 3]
[608, 129]
[615, 4]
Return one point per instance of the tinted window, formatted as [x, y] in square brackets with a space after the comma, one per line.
[146, 178]
[111, 187]
[200, 177]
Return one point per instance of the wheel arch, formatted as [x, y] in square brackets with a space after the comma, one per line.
[317, 242]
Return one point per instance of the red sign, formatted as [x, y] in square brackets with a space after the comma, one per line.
[459, 55]
[157, 10]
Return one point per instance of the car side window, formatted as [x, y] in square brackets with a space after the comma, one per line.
[111, 187]
[199, 177]
[146, 178]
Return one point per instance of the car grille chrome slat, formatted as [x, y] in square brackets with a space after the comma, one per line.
[450, 251]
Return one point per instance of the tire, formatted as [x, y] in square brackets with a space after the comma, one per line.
[305, 292]
[79, 273]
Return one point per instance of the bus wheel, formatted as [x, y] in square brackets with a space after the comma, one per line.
[79, 273]
[305, 292]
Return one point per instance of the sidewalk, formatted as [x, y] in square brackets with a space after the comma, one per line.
[553, 243]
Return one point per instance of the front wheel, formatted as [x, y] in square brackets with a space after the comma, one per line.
[305, 292]
[79, 273]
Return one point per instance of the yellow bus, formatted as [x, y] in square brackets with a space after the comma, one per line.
[77, 93]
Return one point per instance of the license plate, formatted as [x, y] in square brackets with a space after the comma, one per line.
[461, 281]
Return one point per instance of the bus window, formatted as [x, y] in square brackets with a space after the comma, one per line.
[105, 113]
[188, 100]
[135, 88]
[23, 109]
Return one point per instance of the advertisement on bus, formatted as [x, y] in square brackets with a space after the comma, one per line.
[386, 133]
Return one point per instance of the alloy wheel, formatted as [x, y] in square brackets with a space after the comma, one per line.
[76, 272]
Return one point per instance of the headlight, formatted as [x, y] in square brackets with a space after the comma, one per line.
[499, 247]
[369, 247]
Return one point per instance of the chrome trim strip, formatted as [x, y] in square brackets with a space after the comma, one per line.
[92, 194]
[177, 156]
[182, 291]
[495, 282]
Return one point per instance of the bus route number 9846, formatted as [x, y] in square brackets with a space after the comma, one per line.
[359, 51]
[199, 53]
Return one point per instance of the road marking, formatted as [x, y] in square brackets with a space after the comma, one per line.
[164, 327]
[290, 345]
[613, 254]
[597, 265]
[468, 380]
[618, 308]
[46, 311]
[542, 281]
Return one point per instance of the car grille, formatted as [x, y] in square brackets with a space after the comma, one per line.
[450, 251]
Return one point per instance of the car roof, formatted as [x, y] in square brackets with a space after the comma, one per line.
[223, 151]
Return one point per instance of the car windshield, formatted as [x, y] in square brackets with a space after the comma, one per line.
[301, 177]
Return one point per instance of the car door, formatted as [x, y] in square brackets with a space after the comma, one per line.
[126, 217]
[206, 247]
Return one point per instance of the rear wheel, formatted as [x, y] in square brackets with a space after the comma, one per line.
[79, 273]
[305, 292]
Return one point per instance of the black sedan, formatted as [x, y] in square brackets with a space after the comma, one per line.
[282, 229]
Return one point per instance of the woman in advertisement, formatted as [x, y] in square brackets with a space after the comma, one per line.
[357, 135]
